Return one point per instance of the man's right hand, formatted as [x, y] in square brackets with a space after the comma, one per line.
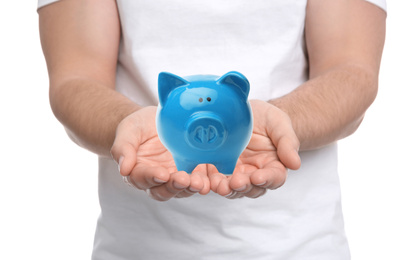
[148, 165]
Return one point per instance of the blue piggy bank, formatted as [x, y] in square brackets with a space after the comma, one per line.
[204, 119]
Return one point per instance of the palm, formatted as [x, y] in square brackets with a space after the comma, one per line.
[259, 166]
[259, 154]
[152, 153]
[149, 165]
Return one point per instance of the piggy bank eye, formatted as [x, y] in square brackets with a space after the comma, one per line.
[200, 99]
[208, 99]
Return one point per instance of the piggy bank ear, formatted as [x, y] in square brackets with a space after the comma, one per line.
[167, 83]
[236, 79]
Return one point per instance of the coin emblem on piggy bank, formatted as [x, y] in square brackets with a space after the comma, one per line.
[204, 119]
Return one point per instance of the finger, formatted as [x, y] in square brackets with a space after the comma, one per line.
[145, 177]
[284, 138]
[124, 154]
[185, 194]
[199, 180]
[214, 177]
[234, 195]
[179, 182]
[272, 176]
[156, 195]
[224, 188]
[129, 136]
[255, 192]
[207, 186]
[240, 181]
[242, 185]
[198, 183]
[287, 151]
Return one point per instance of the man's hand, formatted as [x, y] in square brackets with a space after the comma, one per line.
[263, 165]
[146, 162]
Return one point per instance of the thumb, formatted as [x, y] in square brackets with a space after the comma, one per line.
[129, 135]
[285, 139]
[124, 148]
[287, 151]
[125, 156]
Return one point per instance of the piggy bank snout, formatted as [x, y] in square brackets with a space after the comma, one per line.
[205, 131]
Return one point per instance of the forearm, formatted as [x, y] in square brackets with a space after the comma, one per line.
[80, 40]
[90, 112]
[329, 106]
[344, 41]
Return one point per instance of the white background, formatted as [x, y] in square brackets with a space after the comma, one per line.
[48, 186]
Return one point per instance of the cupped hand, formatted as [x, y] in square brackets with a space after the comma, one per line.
[148, 165]
[263, 165]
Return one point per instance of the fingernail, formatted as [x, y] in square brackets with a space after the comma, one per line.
[231, 195]
[261, 184]
[157, 180]
[242, 188]
[193, 189]
[121, 159]
[231, 192]
[127, 181]
[179, 186]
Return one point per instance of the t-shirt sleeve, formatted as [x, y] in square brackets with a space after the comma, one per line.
[379, 3]
[42, 3]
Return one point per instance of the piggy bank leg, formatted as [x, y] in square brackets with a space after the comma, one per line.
[227, 167]
[184, 165]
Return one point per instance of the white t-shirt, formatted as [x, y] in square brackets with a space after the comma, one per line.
[264, 40]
